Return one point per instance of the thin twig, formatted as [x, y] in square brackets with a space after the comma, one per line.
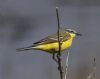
[94, 68]
[59, 43]
[90, 75]
[66, 67]
[93, 74]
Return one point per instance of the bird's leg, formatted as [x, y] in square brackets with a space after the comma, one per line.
[54, 57]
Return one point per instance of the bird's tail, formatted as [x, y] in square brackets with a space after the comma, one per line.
[25, 48]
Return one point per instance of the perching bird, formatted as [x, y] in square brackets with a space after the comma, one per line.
[50, 44]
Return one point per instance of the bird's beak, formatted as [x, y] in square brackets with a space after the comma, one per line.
[78, 34]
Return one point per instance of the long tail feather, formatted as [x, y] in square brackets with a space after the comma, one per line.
[25, 48]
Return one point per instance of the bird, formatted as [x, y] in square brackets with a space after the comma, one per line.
[50, 43]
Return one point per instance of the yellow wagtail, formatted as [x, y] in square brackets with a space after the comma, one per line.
[50, 43]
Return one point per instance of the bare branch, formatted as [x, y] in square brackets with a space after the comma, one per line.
[59, 43]
[66, 67]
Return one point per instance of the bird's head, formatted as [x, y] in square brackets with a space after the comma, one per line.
[73, 33]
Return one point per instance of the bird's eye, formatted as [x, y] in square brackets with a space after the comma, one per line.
[71, 31]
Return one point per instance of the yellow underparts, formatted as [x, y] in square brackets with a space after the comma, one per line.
[54, 47]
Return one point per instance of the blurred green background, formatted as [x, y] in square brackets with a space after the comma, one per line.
[23, 22]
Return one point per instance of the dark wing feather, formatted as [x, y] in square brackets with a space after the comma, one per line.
[53, 38]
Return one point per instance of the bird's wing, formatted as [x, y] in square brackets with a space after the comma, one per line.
[53, 38]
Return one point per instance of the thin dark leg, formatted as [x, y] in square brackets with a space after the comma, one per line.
[54, 57]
